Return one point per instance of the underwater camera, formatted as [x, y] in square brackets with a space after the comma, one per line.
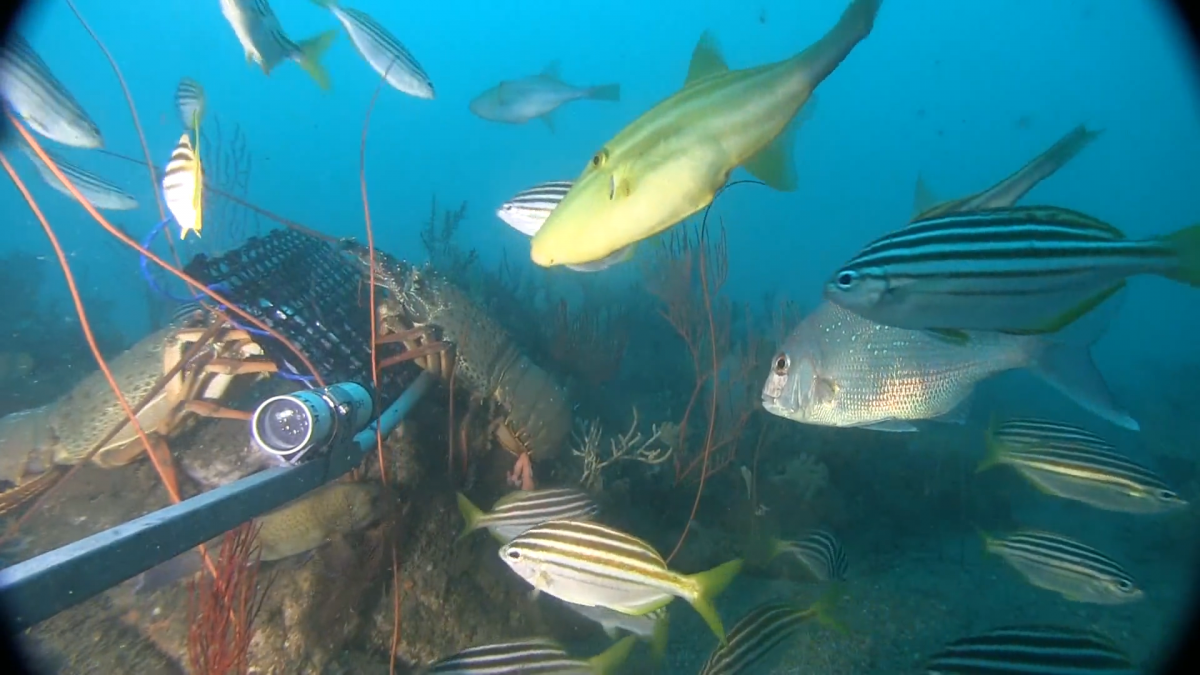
[301, 426]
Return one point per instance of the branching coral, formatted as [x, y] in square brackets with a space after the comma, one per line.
[630, 446]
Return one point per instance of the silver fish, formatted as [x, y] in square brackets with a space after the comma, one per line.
[39, 98]
[1019, 270]
[592, 564]
[1073, 463]
[529, 209]
[1041, 649]
[838, 369]
[652, 627]
[518, 101]
[535, 656]
[190, 101]
[1074, 570]
[382, 51]
[518, 511]
[262, 37]
[99, 192]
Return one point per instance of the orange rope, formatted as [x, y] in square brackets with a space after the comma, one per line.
[172, 490]
[116, 232]
[362, 180]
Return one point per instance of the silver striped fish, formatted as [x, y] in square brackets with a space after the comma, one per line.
[596, 565]
[382, 51]
[190, 101]
[535, 656]
[1071, 462]
[1074, 570]
[39, 98]
[518, 511]
[99, 192]
[754, 639]
[1016, 269]
[262, 38]
[1040, 649]
[183, 188]
[821, 553]
[529, 209]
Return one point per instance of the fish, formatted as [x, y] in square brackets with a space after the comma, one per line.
[528, 210]
[1041, 649]
[262, 37]
[752, 641]
[591, 564]
[382, 51]
[41, 100]
[1074, 570]
[1010, 190]
[838, 369]
[1071, 462]
[308, 522]
[183, 187]
[534, 656]
[820, 552]
[536, 96]
[99, 192]
[671, 161]
[191, 102]
[518, 511]
[653, 627]
[1020, 270]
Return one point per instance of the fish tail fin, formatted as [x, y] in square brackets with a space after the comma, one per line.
[1070, 369]
[659, 637]
[471, 515]
[1186, 245]
[709, 585]
[614, 657]
[991, 455]
[311, 51]
[605, 92]
[825, 604]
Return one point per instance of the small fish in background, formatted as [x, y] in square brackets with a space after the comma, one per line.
[191, 102]
[536, 655]
[41, 100]
[183, 188]
[1060, 564]
[838, 369]
[1041, 649]
[820, 552]
[1008, 191]
[652, 627]
[754, 639]
[262, 37]
[100, 193]
[308, 522]
[518, 511]
[518, 101]
[382, 51]
[1071, 462]
[591, 564]
[528, 209]
[1020, 270]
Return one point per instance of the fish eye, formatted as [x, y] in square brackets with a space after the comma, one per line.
[780, 365]
[1168, 496]
[845, 279]
[1124, 586]
[599, 158]
[512, 554]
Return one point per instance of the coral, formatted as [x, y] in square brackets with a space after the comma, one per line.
[805, 475]
[630, 446]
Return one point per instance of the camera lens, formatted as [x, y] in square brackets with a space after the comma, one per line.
[283, 425]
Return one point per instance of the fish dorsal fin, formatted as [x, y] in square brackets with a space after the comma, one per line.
[550, 72]
[923, 197]
[706, 60]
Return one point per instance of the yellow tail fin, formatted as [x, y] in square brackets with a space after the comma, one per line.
[311, 51]
[1186, 244]
[709, 585]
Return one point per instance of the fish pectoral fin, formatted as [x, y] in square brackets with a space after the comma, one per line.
[619, 186]
[773, 164]
[551, 71]
[952, 336]
[923, 198]
[706, 60]
[548, 119]
[895, 426]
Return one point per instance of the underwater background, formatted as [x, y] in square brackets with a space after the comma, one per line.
[958, 94]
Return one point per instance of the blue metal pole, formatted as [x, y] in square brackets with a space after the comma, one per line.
[37, 589]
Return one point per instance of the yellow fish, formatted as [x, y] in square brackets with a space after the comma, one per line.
[670, 162]
[183, 187]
